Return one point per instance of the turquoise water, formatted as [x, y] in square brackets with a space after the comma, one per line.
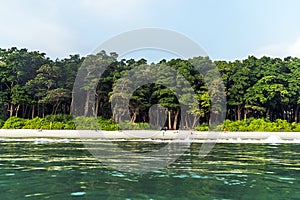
[66, 170]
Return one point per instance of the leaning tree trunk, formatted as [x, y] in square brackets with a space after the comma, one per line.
[196, 119]
[57, 106]
[97, 106]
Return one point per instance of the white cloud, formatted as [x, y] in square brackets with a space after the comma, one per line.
[280, 50]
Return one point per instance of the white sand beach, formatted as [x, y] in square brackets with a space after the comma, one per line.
[228, 137]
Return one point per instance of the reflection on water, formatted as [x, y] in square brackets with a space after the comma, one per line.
[66, 170]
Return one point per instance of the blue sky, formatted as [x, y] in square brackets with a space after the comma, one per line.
[227, 30]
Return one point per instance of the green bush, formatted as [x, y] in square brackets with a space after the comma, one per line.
[107, 124]
[127, 125]
[59, 118]
[58, 125]
[295, 127]
[36, 123]
[202, 127]
[14, 123]
[69, 125]
[283, 125]
[235, 125]
[91, 123]
[86, 123]
[261, 125]
[49, 122]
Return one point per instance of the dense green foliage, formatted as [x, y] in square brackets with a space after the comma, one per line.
[60, 122]
[252, 124]
[49, 122]
[262, 88]
[261, 125]
[92, 123]
[32, 85]
[36, 92]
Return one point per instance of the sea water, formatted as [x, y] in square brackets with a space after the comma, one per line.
[65, 169]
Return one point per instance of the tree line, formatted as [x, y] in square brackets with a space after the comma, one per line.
[32, 85]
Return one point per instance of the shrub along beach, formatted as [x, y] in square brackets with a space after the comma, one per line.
[36, 93]
[66, 122]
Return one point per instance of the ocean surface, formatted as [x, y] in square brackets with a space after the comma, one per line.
[65, 169]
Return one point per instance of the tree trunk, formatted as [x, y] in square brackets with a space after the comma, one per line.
[11, 110]
[97, 106]
[267, 113]
[4, 109]
[246, 113]
[71, 106]
[87, 104]
[296, 113]
[38, 110]
[32, 112]
[169, 119]
[63, 107]
[196, 118]
[56, 107]
[157, 117]
[17, 110]
[175, 120]
[239, 112]
[133, 118]
[188, 121]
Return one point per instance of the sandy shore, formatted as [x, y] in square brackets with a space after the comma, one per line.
[92, 134]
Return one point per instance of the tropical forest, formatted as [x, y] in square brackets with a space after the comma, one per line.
[260, 94]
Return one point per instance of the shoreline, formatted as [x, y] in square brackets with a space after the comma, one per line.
[148, 134]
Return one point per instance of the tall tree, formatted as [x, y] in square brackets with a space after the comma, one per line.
[19, 67]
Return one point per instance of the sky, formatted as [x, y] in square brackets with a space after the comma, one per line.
[225, 29]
